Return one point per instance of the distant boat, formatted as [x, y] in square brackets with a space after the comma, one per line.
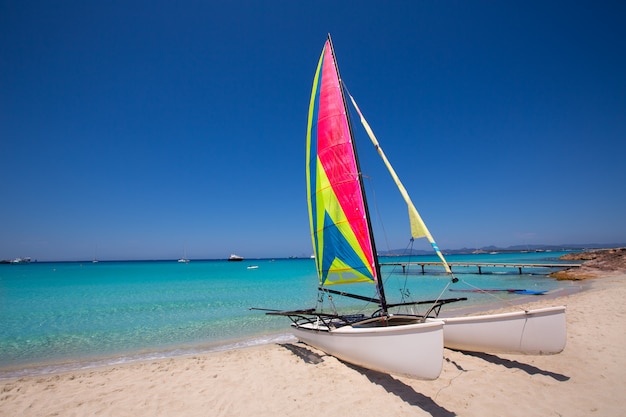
[20, 261]
[253, 267]
[184, 259]
[235, 258]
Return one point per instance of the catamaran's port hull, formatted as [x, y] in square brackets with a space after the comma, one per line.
[533, 332]
[413, 350]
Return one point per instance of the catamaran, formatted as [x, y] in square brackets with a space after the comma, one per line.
[345, 253]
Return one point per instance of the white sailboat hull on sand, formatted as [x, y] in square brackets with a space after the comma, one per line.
[533, 332]
[413, 350]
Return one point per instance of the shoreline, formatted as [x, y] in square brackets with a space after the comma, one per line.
[53, 367]
[294, 379]
[43, 369]
[287, 378]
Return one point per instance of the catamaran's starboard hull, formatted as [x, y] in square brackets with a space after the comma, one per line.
[533, 332]
[413, 350]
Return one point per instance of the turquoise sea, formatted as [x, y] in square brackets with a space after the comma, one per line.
[56, 316]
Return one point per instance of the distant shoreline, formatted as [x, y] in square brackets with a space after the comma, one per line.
[590, 248]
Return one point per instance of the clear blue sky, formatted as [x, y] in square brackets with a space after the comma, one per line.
[134, 129]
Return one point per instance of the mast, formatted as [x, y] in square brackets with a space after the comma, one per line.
[379, 281]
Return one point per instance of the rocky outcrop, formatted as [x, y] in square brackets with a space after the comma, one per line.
[596, 263]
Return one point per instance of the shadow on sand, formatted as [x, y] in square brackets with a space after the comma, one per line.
[529, 369]
[389, 383]
[303, 353]
[405, 392]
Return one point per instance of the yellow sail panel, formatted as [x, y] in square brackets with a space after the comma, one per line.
[342, 273]
[418, 228]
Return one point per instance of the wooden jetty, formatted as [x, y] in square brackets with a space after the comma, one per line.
[481, 265]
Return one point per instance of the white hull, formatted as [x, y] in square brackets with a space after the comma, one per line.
[534, 332]
[414, 350]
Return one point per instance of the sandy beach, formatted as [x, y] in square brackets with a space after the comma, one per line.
[587, 378]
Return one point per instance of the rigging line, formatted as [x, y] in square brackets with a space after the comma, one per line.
[320, 302]
[395, 270]
[408, 249]
[371, 187]
[374, 199]
[440, 294]
[371, 194]
[418, 227]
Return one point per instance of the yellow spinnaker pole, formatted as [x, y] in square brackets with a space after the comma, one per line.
[418, 227]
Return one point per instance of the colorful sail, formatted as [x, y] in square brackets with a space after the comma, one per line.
[340, 232]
